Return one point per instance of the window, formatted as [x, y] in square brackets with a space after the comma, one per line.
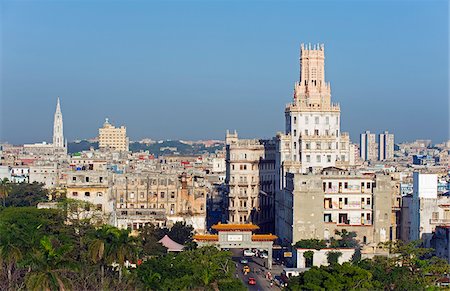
[308, 158]
[308, 146]
[74, 193]
[316, 132]
[295, 145]
[132, 195]
[306, 120]
[330, 145]
[346, 185]
[435, 215]
[99, 194]
[368, 216]
[87, 194]
[295, 132]
[318, 146]
[295, 120]
[99, 207]
[101, 179]
[142, 194]
[316, 120]
[368, 201]
[329, 158]
[318, 158]
[172, 195]
[162, 195]
[306, 132]
[327, 120]
[327, 217]
[74, 178]
[368, 185]
[345, 201]
[87, 179]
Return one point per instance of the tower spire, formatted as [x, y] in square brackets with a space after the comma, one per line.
[58, 136]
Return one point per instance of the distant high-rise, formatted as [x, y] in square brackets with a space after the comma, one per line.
[386, 146]
[368, 146]
[114, 138]
[58, 134]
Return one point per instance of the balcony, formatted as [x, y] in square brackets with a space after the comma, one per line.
[439, 221]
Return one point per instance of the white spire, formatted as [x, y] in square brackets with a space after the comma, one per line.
[58, 136]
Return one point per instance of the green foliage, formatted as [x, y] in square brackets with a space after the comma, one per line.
[347, 240]
[309, 257]
[190, 269]
[333, 257]
[311, 244]
[51, 249]
[335, 277]
[25, 194]
[231, 284]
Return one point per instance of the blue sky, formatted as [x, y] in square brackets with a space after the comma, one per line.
[192, 69]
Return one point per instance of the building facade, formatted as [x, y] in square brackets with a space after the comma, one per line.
[386, 146]
[368, 146]
[315, 206]
[313, 138]
[250, 180]
[114, 138]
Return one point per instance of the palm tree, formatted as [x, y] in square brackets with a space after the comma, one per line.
[49, 267]
[10, 254]
[96, 251]
[121, 247]
[5, 189]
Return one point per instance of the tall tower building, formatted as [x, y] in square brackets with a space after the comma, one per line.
[368, 146]
[58, 134]
[312, 139]
[386, 146]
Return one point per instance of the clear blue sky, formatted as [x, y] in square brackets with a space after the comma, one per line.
[192, 69]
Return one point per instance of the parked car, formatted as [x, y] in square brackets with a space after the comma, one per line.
[244, 261]
[251, 281]
[249, 253]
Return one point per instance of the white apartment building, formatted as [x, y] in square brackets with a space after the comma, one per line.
[114, 138]
[424, 210]
[386, 146]
[368, 146]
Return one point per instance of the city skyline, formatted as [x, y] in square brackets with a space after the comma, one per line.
[194, 82]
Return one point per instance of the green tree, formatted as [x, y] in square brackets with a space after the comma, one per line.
[311, 244]
[149, 237]
[26, 194]
[333, 257]
[5, 189]
[347, 239]
[309, 258]
[50, 266]
[10, 253]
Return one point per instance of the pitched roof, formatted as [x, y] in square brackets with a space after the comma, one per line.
[171, 245]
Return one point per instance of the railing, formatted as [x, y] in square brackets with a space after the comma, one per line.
[439, 221]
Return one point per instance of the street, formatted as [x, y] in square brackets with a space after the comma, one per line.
[257, 271]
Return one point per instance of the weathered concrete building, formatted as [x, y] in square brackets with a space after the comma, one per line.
[250, 180]
[315, 206]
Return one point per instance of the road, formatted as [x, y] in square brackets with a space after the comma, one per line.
[257, 271]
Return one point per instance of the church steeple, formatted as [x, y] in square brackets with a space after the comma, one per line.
[58, 136]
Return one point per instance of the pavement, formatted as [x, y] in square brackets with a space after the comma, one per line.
[257, 271]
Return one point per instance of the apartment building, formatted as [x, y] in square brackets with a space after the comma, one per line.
[315, 206]
[114, 138]
[385, 146]
[250, 180]
[368, 146]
